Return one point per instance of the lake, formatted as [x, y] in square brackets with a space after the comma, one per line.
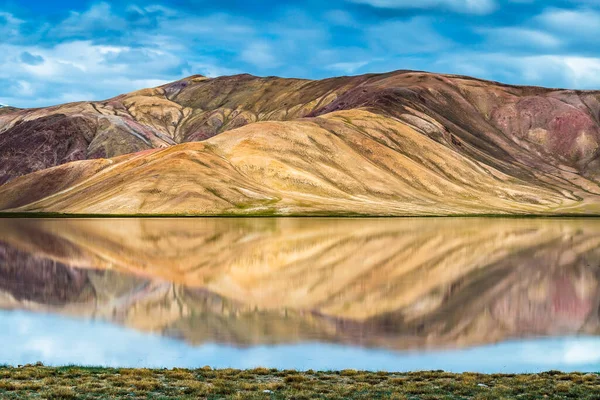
[397, 294]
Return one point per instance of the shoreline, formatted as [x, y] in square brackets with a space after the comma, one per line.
[73, 382]
[8, 215]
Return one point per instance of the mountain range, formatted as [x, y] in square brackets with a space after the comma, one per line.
[399, 143]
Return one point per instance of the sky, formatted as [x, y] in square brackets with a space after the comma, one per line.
[59, 51]
[56, 340]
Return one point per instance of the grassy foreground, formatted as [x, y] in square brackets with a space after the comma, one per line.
[37, 381]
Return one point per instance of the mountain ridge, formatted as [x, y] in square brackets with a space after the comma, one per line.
[372, 141]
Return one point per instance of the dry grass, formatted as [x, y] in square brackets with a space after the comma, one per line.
[36, 381]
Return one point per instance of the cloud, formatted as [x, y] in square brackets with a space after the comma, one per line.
[558, 70]
[99, 18]
[347, 67]
[583, 22]
[459, 6]
[520, 37]
[10, 26]
[260, 54]
[81, 70]
[581, 353]
[583, 72]
[209, 68]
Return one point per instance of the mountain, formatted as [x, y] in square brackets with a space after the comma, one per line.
[194, 108]
[400, 143]
[415, 283]
[5, 109]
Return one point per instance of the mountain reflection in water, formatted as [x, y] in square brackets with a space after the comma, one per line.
[402, 284]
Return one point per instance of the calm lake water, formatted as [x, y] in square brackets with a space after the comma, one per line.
[473, 294]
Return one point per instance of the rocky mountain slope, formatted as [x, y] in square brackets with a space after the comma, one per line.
[401, 143]
[415, 283]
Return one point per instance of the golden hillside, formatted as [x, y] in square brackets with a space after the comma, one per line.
[347, 162]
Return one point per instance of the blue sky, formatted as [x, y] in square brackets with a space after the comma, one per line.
[60, 51]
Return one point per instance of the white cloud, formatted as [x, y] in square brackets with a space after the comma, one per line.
[75, 57]
[581, 353]
[586, 22]
[80, 70]
[210, 69]
[460, 6]
[260, 54]
[583, 71]
[562, 71]
[9, 19]
[9, 25]
[98, 18]
[153, 8]
[347, 67]
[520, 37]
[26, 88]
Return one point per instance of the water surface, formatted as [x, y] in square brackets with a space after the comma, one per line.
[474, 294]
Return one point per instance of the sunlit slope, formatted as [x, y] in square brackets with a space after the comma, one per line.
[347, 162]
